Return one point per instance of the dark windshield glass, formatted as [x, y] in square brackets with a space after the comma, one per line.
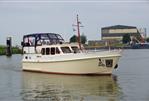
[66, 50]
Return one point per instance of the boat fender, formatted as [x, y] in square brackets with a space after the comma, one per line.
[116, 66]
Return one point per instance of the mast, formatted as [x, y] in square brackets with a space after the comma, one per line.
[78, 31]
[78, 28]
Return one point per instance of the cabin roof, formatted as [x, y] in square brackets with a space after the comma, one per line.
[119, 27]
[36, 37]
[51, 36]
[39, 34]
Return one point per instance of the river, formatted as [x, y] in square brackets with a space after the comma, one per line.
[129, 82]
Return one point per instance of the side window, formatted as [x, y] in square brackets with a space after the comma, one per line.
[75, 49]
[43, 51]
[52, 51]
[47, 51]
[39, 43]
[57, 51]
[66, 49]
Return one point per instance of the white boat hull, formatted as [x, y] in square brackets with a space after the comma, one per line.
[82, 65]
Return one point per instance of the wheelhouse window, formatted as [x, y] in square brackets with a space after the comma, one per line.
[75, 49]
[65, 49]
[43, 51]
[39, 43]
[38, 39]
[57, 51]
[53, 51]
[47, 51]
[50, 51]
[29, 41]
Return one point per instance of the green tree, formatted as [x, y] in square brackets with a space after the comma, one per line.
[126, 38]
[73, 39]
[83, 39]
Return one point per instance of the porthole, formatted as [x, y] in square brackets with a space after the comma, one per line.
[109, 63]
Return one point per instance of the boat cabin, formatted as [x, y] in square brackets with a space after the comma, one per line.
[58, 49]
[47, 44]
[31, 41]
[39, 39]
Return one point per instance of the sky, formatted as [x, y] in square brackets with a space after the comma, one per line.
[21, 17]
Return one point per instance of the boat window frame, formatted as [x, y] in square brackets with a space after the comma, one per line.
[48, 51]
[43, 51]
[54, 51]
[66, 51]
[57, 51]
[37, 38]
[76, 50]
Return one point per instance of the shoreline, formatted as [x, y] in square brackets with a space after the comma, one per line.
[112, 47]
[15, 50]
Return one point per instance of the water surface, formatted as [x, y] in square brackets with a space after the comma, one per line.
[128, 83]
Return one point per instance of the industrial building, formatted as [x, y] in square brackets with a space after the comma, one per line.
[117, 32]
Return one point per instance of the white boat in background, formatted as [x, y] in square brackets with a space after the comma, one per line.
[47, 52]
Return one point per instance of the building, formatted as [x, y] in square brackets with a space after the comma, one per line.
[117, 32]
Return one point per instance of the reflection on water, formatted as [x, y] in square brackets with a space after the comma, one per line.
[49, 87]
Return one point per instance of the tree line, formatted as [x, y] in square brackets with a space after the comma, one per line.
[74, 38]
